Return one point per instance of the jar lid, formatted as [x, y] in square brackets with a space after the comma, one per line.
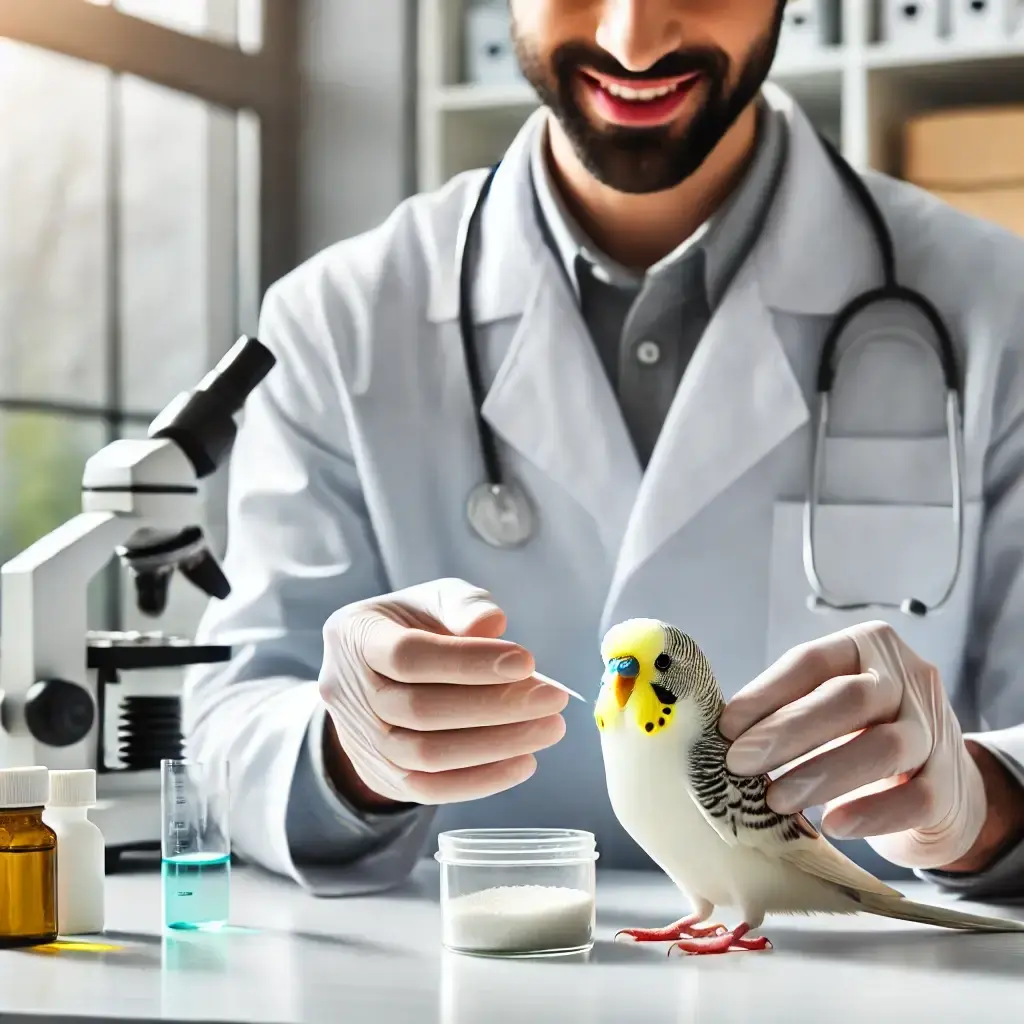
[72, 788]
[24, 787]
[507, 847]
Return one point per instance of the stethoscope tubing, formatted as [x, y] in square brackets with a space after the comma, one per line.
[889, 291]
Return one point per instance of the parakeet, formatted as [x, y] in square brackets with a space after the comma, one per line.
[710, 831]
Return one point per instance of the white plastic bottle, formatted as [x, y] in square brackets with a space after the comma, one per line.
[80, 852]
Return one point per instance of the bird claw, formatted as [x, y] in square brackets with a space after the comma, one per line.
[687, 928]
[727, 943]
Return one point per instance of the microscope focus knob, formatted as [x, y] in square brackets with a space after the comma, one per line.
[58, 713]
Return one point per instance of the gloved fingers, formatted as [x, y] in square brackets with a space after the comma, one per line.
[913, 803]
[469, 783]
[797, 673]
[419, 656]
[436, 706]
[450, 750]
[838, 707]
[880, 752]
[464, 609]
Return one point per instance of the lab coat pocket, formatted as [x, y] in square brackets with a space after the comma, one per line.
[875, 552]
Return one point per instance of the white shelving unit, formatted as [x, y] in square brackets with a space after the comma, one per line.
[859, 91]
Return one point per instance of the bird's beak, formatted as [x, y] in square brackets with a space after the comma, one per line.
[623, 688]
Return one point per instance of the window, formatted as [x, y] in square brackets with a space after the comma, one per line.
[146, 201]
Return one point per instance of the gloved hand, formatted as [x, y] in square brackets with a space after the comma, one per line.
[926, 804]
[429, 705]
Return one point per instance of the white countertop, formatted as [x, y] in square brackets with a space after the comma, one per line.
[291, 957]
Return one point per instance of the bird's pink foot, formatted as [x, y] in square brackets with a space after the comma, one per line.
[689, 927]
[726, 943]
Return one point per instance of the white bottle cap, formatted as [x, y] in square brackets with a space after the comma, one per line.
[72, 788]
[24, 787]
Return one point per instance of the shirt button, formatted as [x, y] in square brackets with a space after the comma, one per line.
[648, 352]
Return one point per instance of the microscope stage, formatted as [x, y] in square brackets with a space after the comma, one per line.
[134, 650]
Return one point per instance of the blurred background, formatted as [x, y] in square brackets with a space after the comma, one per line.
[163, 161]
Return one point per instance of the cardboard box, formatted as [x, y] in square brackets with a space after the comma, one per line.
[1002, 206]
[976, 148]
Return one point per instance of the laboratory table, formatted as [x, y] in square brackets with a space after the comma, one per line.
[288, 956]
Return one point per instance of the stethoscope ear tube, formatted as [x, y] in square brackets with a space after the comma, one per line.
[889, 291]
[498, 511]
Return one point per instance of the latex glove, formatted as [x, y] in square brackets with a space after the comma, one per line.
[429, 705]
[926, 801]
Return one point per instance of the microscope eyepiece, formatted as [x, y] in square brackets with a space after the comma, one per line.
[201, 422]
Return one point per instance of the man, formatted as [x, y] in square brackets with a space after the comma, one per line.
[659, 258]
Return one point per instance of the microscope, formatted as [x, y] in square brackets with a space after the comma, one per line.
[141, 502]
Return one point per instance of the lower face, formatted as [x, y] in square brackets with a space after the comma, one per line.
[648, 131]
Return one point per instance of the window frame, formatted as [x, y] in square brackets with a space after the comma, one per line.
[263, 83]
[266, 82]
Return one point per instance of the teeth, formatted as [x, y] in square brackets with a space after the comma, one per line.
[626, 93]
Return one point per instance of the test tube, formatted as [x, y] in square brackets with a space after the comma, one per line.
[195, 844]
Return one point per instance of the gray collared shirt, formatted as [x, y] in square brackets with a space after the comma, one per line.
[646, 326]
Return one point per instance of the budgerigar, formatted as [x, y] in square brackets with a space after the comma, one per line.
[710, 831]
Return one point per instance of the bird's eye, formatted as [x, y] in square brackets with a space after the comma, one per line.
[662, 662]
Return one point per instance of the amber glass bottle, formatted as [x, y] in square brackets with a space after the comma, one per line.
[28, 860]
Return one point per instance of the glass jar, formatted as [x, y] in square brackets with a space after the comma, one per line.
[517, 892]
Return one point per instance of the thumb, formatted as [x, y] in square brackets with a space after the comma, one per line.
[465, 610]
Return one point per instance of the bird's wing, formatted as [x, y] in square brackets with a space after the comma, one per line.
[820, 858]
[739, 813]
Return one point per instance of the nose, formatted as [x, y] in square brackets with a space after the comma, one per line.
[626, 670]
[638, 33]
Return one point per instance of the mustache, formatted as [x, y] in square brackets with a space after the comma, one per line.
[573, 57]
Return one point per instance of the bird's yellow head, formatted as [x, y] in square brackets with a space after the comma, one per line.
[654, 674]
[636, 686]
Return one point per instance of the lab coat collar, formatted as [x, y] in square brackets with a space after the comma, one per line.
[506, 268]
[816, 251]
[551, 400]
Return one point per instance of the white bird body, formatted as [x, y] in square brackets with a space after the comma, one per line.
[665, 821]
[710, 831]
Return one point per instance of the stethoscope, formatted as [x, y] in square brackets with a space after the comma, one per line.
[501, 514]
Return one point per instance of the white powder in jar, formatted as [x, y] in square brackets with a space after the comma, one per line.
[520, 919]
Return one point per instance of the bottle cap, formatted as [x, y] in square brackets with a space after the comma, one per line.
[72, 788]
[24, 787]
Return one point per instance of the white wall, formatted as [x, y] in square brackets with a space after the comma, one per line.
[357, 136]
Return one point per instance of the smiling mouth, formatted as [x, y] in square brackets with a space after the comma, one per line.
[638, 103]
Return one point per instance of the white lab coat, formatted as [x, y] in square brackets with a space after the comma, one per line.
[352, 468]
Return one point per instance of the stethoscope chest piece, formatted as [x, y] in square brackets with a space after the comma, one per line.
[500, 514]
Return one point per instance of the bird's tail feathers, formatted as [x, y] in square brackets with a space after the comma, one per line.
[902, 909]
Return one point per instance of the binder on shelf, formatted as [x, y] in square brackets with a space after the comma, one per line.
[982, 20]
[490, 58]
[913, 21]
[808, 26]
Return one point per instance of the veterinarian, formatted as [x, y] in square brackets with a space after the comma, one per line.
[672, 357]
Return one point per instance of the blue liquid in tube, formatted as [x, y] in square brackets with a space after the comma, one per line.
[196, 890]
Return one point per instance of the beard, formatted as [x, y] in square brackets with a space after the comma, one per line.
[645, 160]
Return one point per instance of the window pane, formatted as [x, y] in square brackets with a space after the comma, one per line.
[53, 226]
[228, 21]
[41, 461]
[178, 243]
